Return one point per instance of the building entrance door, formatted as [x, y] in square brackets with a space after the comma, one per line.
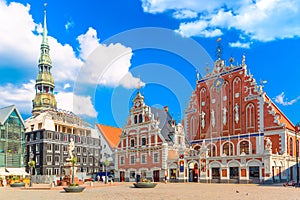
[191, 175]
[254, 174]
[193, 172]
[215, 174]
[156, 176]
[122, 176]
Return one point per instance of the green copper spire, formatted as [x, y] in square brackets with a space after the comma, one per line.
[44, 87]
[45, 32]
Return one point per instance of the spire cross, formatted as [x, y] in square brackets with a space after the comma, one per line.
[219, 49]
[45, 39]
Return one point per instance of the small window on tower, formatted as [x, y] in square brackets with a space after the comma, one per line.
[140, 118]
[143, 141]
[135, 119]
[131, 143]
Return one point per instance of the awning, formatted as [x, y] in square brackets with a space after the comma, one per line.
[17, 171]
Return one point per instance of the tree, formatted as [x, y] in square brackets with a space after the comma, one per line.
[73, 161]
[106, 163]
[31, 165]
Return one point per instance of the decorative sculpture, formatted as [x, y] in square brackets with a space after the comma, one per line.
[268, 145]
[202, 119]
[71, 148]
[213, 121]
[224, 116]
[236, 109]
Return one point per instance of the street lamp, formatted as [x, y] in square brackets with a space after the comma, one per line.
[297, 152]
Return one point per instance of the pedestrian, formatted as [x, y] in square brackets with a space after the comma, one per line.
[166, 179]
[103, 178]
[98, 178]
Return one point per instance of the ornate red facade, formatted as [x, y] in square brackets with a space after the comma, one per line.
[240, 132]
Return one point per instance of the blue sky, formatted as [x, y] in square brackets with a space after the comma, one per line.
[99, 49]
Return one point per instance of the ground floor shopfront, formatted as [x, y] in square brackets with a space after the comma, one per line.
[133, 175]
[233, 169]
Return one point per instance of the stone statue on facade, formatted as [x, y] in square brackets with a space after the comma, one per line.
[224, 116]
[213, 121]
[268, 145]
[202, 119]
[236, 108]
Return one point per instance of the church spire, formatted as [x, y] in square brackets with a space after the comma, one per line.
[44, 87]
[45, 32]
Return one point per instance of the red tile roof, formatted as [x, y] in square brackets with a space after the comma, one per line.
[111, 134]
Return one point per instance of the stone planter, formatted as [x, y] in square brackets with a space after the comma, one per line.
[19, 184]
[74, 189]
[144, 185]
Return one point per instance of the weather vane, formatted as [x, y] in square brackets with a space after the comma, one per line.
[219, 49]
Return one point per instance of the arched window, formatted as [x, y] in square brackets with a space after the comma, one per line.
[228, 149]
[291, 147]
[250, 117]
[244, 147]
[140, 118]
[193, 127]
[211, 150]
[135, 119]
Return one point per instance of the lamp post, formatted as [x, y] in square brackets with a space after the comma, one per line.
[297, 152]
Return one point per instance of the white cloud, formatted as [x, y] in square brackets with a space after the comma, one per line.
[262, 20]
[239, 44]
[109, 65]
[19, 95]
[80, 105]
[88, 42]
[185, 14]
[281, 100]
[67, 85]
[69, 25]
[200, 28]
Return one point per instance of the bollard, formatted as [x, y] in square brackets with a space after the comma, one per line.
[92, 184]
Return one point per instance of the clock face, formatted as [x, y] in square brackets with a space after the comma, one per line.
[218, 82]
[137, 104]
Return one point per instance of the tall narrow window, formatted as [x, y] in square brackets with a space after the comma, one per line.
[140, 118]
[135, 119]
[143, 141]
[132, 143]
[291, 147]
[211, 150]
[131, 159]
[228, 149]
[244, 147]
